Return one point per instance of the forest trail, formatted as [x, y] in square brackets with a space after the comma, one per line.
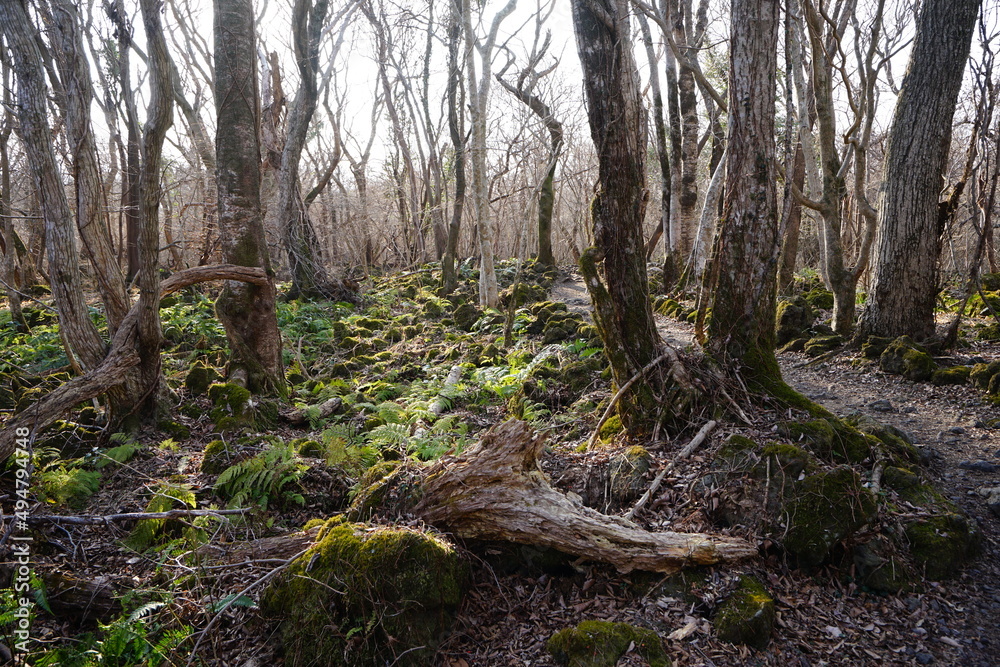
[951, 622]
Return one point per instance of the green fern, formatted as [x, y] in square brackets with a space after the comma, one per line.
[65, 483]
[263, 479]
[152, 531]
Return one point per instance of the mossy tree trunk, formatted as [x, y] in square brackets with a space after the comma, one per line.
[622, 309]
[12, 246]
[247, 311]
[743, 276]
[908, 233]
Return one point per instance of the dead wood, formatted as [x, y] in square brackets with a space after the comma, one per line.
[122, 356]
[299, 416]
[496, 491]
[83, 600]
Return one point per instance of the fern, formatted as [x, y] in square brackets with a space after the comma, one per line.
[262, 479]
[166, 497]
[64, 483]
[120, 454]
[388, 435]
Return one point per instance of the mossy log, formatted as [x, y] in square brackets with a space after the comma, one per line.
[496, 491]
[69, 597]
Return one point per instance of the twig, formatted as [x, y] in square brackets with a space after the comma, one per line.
[621, 392]
[683, 454]
[128, 516]
[821, 358]
[253, 585]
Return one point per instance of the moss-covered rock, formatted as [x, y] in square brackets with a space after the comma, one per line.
[952, 375]
[830, 439]
[942, 544]
[602, 644]
[792, 461]
[794, 316]
[822, 344]
[199, 378]
[465, 316]
[881, 568]
[820, 298]
[747, 616]
[906, 358]
[523, 294]
[627, 473]
[875, 346]
[233, 410]
[364, 596]
[826, 508]
[389, 488]
[896, 442]
[982, 375]
[612, 427]
[216, 457]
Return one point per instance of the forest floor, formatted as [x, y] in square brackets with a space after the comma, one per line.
[515, 604]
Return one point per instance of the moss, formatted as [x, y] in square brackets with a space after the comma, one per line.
[389, 488]
[900, 479]
[819, 298]
[175, 430]
[627, 473]
[199, 378]
[793, 317]
[603, 643]
[906, 358]
[791, 460]
[216, 458]
[523, 294]
[900, 450]
[830, 439]
[308, 447]
[736, 452]
[942, 544]
[874, 347]
[747, 617]
[234, 410]
[365, 596]
[879, 568]
[822, 344]
[982, 375]
[610, 428]
[826, 508]
[953, 375]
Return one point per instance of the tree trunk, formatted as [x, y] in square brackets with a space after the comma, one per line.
[456, 128]
[308, 275]
[622, 309]
[64, 260]
[792, 223]
[246, 310]
[743, 276]
[904, 282]
[662, 153]
[91, 200]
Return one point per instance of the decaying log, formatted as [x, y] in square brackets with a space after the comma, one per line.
[83, 600]
[496, 491]
[120, 358]
[299, 416]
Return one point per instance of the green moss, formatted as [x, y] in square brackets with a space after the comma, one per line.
[611, 428]
[826, 508]
[830, 439]
[874, 347]
[906, 358]
[819, 298]
[747, 617]
[953, 375]
[199, 378]
[899, 449]
[388, 488]
[602, 644]
[793, 317]
[900, 479]
[822, 344]
[234, 410]
[309, 447]
[791, 460]
[361, 596]
[942, 544]
[982, 375]
[175, 430]
[216, 457]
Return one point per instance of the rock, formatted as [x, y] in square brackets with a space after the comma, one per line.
[906, 358]
[602, 644]
[747, 616]
[216, 457]
[364, 596]
[831, 439]
[992, 497]
[979, 466]
[881, 405]
[822, 344]
[953, 375]
[983, 377]
[826, 508]
[793, 317]
[820, 298]
[943, 543]
[466, 315]
[627, 474]
[880, 568]
[874, 347]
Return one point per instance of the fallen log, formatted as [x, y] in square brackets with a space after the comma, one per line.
[497, 491]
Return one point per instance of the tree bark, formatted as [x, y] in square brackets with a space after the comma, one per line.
[743, 276]
[247, 311]
[64, 259]
[908, 239]
[662, 152]
[456, 128]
